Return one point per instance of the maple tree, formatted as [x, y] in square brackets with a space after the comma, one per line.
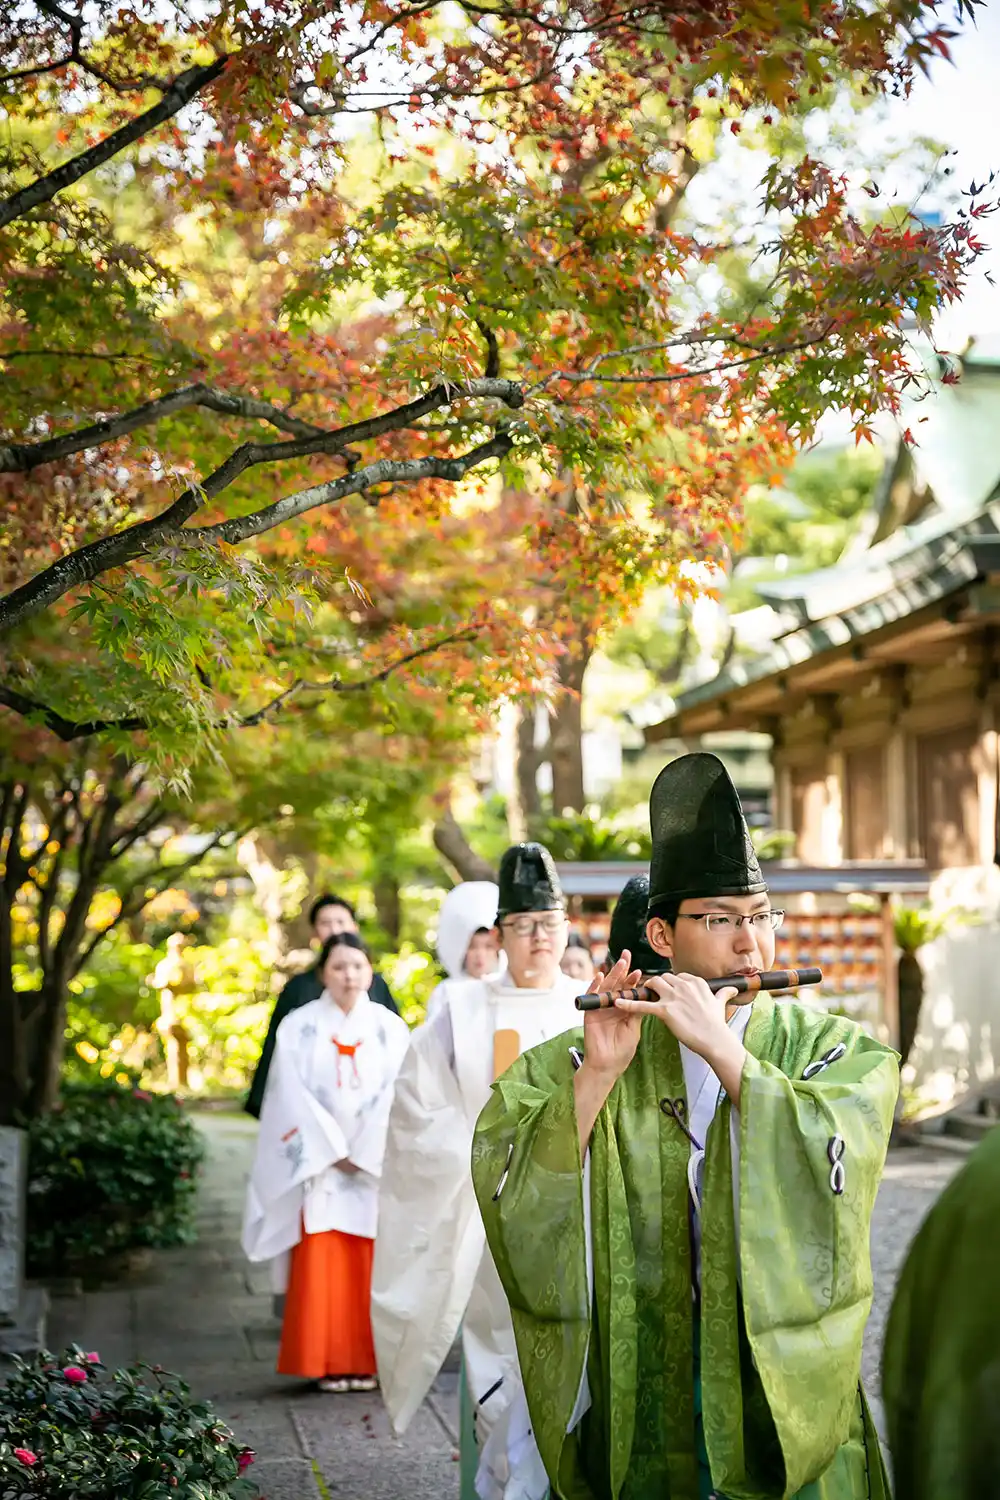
[506, 288]
[347, 349]
[91, 838]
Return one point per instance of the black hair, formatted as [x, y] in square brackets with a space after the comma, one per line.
[341, 940]
[576, 941]
[330, 900]
[668, 911]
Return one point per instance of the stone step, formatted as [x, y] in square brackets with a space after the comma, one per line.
[27, 1334]
[969, 1127]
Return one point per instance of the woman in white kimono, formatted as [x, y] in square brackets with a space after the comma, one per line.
[313, 1190]
[468, 943]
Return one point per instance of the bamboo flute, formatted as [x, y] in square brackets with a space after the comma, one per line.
[746, 984]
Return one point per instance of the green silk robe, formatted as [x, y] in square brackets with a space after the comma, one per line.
[941, 1363]
[783, 1409]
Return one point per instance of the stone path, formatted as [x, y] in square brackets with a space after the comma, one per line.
[203, 1312]
[912, 1181]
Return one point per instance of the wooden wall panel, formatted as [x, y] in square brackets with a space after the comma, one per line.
[865, 805]
[808, 789]
[947, 773]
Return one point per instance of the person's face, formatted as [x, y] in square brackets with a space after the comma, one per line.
[713, 948]
[578, 964]
[347, 975]
[534, 942]
[331, 921]
[481, 954]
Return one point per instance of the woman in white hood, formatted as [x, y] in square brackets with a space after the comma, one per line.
[468, 942]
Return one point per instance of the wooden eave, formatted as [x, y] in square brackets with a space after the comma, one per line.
[920, 622]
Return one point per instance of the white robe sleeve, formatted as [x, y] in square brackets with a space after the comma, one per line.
[297, 1141]
[435, 1001]
[368, 1140]
[430, 1237]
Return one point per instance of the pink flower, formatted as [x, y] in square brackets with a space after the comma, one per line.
[26, 1457]
[245, 1459]
[75, 1374]
[92, 1359]
[141, 1094]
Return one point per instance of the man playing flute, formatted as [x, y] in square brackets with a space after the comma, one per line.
[680, 1220]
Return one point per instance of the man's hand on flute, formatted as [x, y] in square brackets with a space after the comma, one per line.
[610, 1038]
[685, 1005]
[697, 1017]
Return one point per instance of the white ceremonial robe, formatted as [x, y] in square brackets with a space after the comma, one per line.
[432, 1269]
[329, 1092]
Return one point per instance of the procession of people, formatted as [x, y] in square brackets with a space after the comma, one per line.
[647, 1224]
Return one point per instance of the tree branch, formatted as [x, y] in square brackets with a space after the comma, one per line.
[143, 825]
[120, 354]
[180, 92]
[21, 458]
[337, 685]
[68, 729]
[64, 729]
[38, 69]
[671, 377]
[451, 843]
[382, 471]
[171, 872]
[89, 562]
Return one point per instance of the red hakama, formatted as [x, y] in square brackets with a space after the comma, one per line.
[327, 1327]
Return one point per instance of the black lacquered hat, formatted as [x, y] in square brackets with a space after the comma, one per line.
[701, 842]
[628, 929]
[528, 881]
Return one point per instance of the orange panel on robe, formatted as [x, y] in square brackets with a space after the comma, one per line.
[327, 1326]
[506, 1050]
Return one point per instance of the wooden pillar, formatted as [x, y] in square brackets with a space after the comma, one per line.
[987, 779]
[896, 821]
[784, 817]
[890, 974]
[833, 815]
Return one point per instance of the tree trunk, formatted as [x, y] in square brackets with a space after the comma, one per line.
[566, 731]
[47, 1043]
[388, 909]
[451, 843]
[15, 1065]
[526, 769]
[267, 885]
[14, 1073]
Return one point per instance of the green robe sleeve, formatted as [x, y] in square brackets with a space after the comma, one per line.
[941, 1362]
[812, 1149]
[529, 1183]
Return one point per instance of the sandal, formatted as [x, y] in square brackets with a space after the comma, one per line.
[334, 1385]
[363, 1383]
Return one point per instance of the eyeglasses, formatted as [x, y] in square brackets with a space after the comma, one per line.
[527, 926]
[723, 922]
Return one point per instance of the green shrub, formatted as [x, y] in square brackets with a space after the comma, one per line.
[588, 836]
[110, 1170]
[411, 974]
[70, 1429]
